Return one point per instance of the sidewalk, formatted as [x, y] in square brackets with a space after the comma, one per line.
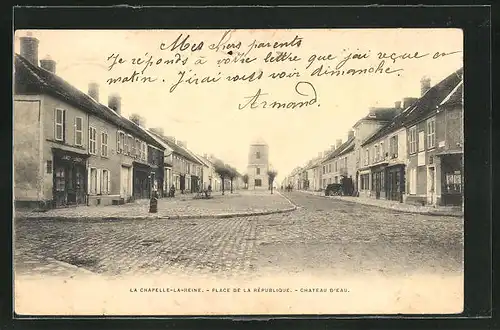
[240, 203]
[393, 205]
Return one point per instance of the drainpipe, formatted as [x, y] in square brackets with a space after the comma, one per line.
[87, 162]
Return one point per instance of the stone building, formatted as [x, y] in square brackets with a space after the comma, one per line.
[258, 165]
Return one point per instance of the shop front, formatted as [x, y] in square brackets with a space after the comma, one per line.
[141, 181]
[69, 178]
[395, 182]
[451, 179]
[195, 183]
[378, 181]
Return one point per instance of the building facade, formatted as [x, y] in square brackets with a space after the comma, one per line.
[66, 147]
[258, 165]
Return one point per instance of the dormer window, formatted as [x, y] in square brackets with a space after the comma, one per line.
[257, 154]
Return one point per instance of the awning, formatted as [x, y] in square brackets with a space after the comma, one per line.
[70, 155]
[448, 152]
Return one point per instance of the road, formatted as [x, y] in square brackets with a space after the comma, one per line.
[324, 236]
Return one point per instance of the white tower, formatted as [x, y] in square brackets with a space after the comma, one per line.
[258, 165]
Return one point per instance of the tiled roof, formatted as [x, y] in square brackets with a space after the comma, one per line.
[379, 114]
[340, 150]
[31, 79]
[176, 148]
[450, 88]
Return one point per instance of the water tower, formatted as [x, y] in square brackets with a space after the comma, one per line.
[258, 164]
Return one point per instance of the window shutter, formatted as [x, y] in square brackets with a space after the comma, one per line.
[99, 183]
[89, 179]
[64, 125]
[109, 183]
[74, 131]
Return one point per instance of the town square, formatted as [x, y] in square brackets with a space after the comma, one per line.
[333, 180]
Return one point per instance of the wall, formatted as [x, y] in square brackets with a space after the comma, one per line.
[111, 162]
[262, 163]
[28, 168]
[49, 104]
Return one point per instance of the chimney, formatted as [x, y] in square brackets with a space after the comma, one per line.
[320, 155]
[48, 64]
[29, 48]
[332, 147]
[338, 143]
[397, 105]
[94, 91]
[115, 103]
[205, 156]
[407, 101]
[350, 134]
[425, 85]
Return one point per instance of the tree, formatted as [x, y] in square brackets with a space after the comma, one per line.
[271, 174]
[222, 171]
[245, 180]
[232, 174]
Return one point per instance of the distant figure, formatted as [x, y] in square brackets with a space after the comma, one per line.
[172, 191]
[209, 188]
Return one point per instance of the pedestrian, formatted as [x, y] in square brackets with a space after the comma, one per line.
[172, 191]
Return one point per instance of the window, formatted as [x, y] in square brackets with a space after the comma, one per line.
[120, 140]
[258, 182]
[367, 156]
[376, 154]
[104, 144]
[365, 181]
[431, 133]
[93, 181]
[257, 171]
[413, 180]
[78, 131]
[336, 166]
[421, 140]
[324, 169]
[129, 145]
[60, 124]
[329, 180]
[453, 183]
[144, 151]
[393, 147]
[105, 182]
[330, 168]
[345, 163]
[257, 154]
[336, 179]
[137, 148]
[60, 180]
[324, 183]
[413, 139]
[382, 151]
[49, 167]
[92, 140]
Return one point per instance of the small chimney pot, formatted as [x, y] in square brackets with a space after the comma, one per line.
[114, 103]
[48, 64]
[94, 91]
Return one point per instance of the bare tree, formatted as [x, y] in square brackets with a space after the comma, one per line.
[222, 171]
[271, 174]
[245, 180]
[232, 174]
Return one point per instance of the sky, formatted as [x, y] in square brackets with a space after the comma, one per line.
[208, 116]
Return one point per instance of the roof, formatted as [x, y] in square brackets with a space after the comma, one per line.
[448, 91]
[379, 114]
[349, 144]
[176, 148]
[32, 79]
[258, 141]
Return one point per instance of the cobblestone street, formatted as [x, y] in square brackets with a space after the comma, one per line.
[324, 236]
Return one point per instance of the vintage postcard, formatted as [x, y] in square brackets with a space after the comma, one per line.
[238, 172]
